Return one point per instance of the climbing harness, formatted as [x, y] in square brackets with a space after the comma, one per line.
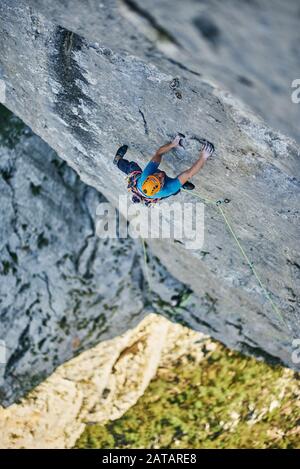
[218, 204]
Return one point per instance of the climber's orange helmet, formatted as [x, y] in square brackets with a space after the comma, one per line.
[151, 185]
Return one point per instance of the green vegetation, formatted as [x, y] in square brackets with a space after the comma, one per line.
[225, 401]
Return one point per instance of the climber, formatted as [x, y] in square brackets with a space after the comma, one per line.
[151, 185]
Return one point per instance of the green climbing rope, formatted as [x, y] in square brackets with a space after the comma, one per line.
[195, 194]
[218, 203]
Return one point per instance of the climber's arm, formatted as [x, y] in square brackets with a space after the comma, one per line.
[161, 151]
[197, 166]
[164, 149]
[155, 161]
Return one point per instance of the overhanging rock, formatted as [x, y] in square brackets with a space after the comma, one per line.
[63, 289]
[85, 98]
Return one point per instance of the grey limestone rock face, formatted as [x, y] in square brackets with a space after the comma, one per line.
[251, 47]
[87, 80]
[63, 289]
[61, 286]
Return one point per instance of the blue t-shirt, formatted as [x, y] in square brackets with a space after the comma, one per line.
[170, 187]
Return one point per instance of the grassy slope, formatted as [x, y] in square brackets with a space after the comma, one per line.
[225, 401]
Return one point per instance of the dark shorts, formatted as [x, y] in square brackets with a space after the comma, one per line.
[128, 167]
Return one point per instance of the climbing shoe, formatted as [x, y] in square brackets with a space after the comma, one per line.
[207, 146]
[188, 186]
[120, 153]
